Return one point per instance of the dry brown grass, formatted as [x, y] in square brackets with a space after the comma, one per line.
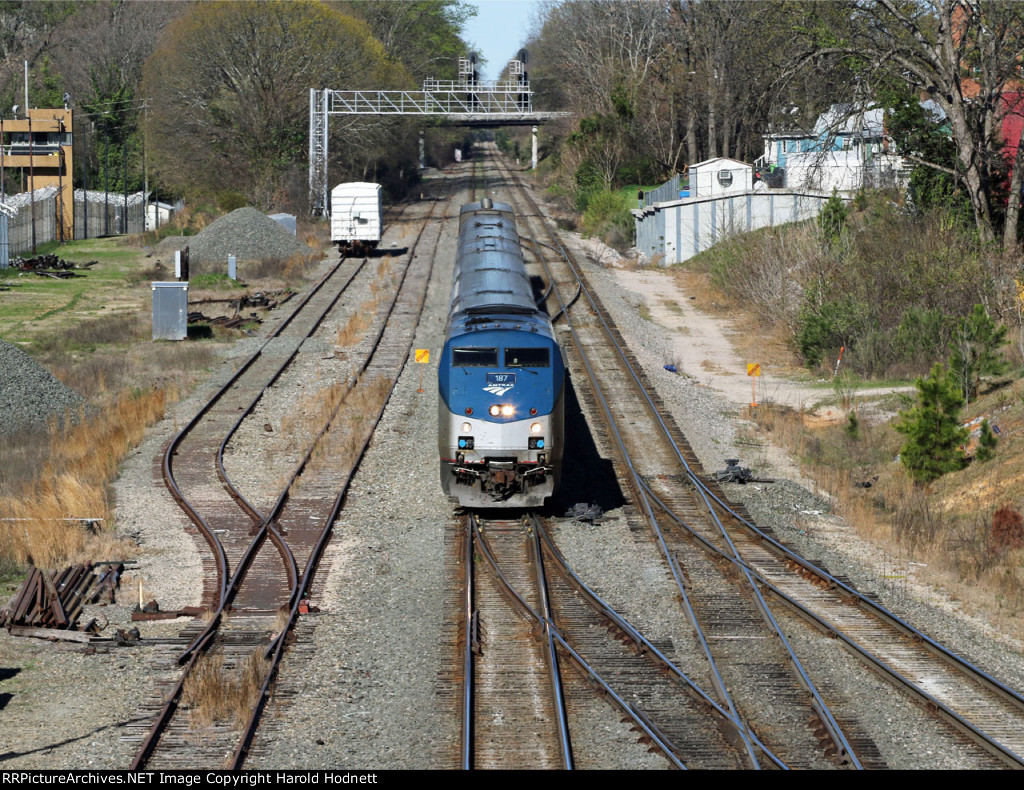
[962, 531]
[341, 445]
[753, 338]
[82, 460]
[213, 693]
[302, 424]
[354, 328]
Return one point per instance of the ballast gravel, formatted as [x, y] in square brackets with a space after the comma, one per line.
[29, 394]
[248, 234]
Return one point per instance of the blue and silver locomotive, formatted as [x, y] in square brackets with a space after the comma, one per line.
[501, 375]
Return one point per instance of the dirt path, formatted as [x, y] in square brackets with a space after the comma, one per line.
[703, 349]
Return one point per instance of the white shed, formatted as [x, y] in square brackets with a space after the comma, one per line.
[720, 176]
[356, 214]
[158, 214]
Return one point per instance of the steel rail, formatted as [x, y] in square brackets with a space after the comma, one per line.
[275, 651]
[264, 527]
[167, 466]
[830, 629]
[716, 677]
[817, 701]
[937, 649]
[167, 711]
[644, 645]
[565, 742]
[940, 651]
[468, 651]
[221, 471]
[205, 639]
[666, 748]
[969, 669]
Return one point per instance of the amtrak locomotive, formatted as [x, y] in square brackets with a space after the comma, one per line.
[501, 376]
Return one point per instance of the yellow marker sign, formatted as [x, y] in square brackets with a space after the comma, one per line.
[753, 370]
[423, 355]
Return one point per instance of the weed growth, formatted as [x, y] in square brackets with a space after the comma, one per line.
[81, 460]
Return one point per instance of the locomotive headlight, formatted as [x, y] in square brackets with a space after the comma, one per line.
[536, 427]
[495, 410]
[507, 411]
[466, 427]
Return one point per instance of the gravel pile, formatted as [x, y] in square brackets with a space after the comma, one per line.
[246, 233]
[29, 394]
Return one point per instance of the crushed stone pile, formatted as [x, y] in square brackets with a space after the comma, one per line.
[246, 233]
[29, 394]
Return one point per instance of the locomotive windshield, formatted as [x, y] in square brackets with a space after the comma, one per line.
[475, 357]
[527, 358]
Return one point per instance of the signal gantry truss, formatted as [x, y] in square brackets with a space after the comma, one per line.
[467, 101]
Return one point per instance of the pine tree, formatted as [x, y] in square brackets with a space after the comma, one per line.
[987, 442]
[976, 343]
[853, 426]
[934, 438]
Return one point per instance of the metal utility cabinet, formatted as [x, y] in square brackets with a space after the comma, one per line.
[170, 311]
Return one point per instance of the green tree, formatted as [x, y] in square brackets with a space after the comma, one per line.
[112, 110]
[976, 343]
[934, 438]
[925, 140]
[833, 218]
[987, 442]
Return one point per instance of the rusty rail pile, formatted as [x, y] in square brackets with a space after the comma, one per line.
[49, 266]
[51, 602]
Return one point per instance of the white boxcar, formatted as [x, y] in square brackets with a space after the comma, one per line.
[356, 216]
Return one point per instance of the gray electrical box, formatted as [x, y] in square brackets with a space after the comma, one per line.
[170, 311]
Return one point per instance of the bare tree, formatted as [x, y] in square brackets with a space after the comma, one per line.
[965, 54]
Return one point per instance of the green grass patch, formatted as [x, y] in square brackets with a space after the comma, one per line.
[215, 281]
[40, 305]
[628, 192]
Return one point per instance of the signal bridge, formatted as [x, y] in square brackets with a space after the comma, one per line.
[467, 101]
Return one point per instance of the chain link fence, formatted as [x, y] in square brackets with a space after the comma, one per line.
[29, 219]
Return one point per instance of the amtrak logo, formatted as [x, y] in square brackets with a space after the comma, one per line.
[498, 389]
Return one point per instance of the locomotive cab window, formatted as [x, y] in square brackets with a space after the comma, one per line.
[527, 357]
[475, 357]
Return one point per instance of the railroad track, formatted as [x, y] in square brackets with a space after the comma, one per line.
[775, 688]
[537, 645]
[690, 513]
[266, 558]
[513, 713]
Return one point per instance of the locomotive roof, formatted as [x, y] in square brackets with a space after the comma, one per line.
[489, 272]
[465, 324]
